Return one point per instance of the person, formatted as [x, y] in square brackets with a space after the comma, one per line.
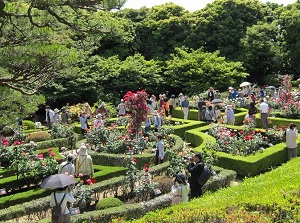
[203, 112]
[83, 122]
[264, 110]
[291, 144]
[153, 102]
[252, 111]
[210, 94]
[156, 120]
[217, 95]
[98, 122]
[67, 167]
[180, 189]
[185, 108]
[218, 116]
[147, 124]
[234, 94]
[64, 195]
[261, 93]
[181, 99]
[195, 167]
[229, 115]
[201, 103]
[49, 116]
[172, 104]
[56, 117]
[103, 110]
[160, 150]
[166, 105]
[88, 110]
[64, 116]
[252, 98]
[210, 115]
[121, 108]
[84, 165]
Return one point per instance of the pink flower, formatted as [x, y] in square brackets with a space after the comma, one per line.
[57, 159]
[146, 169]
[80, 175]
[50, 149]
[140, 133]
[40, 156]
[134, 160]
[52, 154]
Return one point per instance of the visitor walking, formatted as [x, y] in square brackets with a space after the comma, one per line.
[160, 150]
[185, 107]
[67, 167]
[210, 94]
[195, 167]
[264, 110]
[172, 104]
[56, 117]
[121, 108]
[229, 115]
[291, 144]
[49, 116]
[63, 196]
[201, 103]
[210, 115]
[84, 164]
[83, 123]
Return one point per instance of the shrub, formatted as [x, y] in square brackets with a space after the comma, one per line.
[61, 131]
[38, 136]
[28, 124]
[164, 183]
[108, 202]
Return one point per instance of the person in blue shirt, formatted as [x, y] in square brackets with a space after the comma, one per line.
[234, 94]
[261, 93]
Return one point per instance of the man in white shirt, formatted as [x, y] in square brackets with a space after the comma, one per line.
[291, 144]
[264, 110]
[67, 167]
[49, 116]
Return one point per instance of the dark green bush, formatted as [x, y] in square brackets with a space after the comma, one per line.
[108, 202]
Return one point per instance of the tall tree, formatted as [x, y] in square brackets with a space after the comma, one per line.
[221, 25]
[195, 71]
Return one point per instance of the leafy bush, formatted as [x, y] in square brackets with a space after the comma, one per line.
[108, 203]
[38, 136]
[164, 183]
[61, 131]
[28, 124]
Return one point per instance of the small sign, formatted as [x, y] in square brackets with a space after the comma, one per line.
[157, 192]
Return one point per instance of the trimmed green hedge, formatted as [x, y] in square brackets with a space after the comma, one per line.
[245, 166]
[107, 159]
[101, 173]
[277, 121]
[41, 205]
[275, 192]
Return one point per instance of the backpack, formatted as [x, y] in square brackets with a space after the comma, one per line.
[204, 176]
[284, 137]
[57, 212]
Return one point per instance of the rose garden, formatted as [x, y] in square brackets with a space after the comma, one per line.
[127, 184]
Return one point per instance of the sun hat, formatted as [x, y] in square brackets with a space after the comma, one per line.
[180, 178]
[56, 110]
[83, 150]
[98, 116]
[228, 106]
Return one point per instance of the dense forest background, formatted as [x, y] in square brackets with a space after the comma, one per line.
[78, 51]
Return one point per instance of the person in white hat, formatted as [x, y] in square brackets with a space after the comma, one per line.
[98, 122]
[56, 117]
[229, 115]
[67, 167]
[121, 108]
[84, 164]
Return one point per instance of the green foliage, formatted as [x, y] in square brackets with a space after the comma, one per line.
[196, 70]
[15, 105]
[27, 124]
[38, 136]
[108, 203]
[61, 131]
